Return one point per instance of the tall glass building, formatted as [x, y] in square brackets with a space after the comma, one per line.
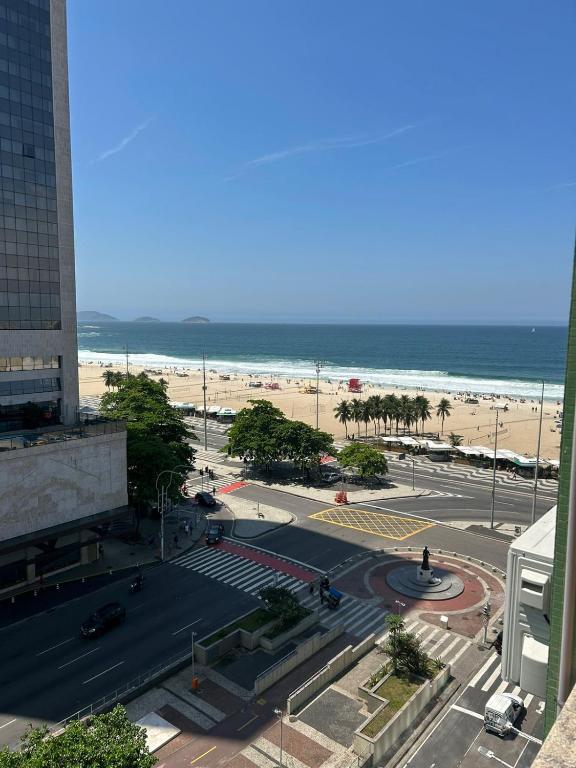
[38, 352]
[61, 478]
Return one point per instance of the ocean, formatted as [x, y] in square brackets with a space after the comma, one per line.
[509, 360]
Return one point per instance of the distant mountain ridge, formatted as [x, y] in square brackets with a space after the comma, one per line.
[88, 316]
[196, 319]
[146, 319]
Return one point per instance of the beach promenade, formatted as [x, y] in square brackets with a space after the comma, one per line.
[476, 422]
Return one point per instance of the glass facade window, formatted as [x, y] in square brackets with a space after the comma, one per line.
[29, 266]
[30, 387]
[38, 363]
[29, 415]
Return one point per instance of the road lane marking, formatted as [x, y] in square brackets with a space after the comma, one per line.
[395, 527]
[186, 627]
[528, 700]
[502, 687]
[202, 755]
[55, 646]
[247, 723]
[467, 712]
[103, 673]
[79, 657]
[8, 723]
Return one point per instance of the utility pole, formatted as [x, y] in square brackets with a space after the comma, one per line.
[537, 458]
[413, 473]
[318, 364]
[494, 473]
[126, 350]
[279, 715]
[204, 391]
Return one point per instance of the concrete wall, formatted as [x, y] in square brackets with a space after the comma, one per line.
[376, 748]
[304, 651]
[521, 620]
[346, 658]
[47, 485]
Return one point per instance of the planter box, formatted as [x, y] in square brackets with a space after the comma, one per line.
[375, 747]
[273, 643]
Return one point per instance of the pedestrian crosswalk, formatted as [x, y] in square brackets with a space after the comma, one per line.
[436, 642]
[236, 571]
[201, 457]
[213, 426]
[358, 617]
[195, 484]
[487, 679]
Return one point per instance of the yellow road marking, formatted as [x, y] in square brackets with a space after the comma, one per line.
[202, 755]
[377, 523]
[248, 723]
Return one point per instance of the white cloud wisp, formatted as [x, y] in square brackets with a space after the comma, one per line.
[323, 145]
[124, 143]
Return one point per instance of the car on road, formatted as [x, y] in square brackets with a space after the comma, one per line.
[205, 499]
[215, 533]
[102, 620]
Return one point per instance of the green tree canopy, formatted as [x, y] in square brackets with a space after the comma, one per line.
[263, 434]
[157, 435]
[367, 460]
[109, 740]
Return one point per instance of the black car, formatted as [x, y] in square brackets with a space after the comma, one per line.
[110, 615]
[215, 533]
[205, 499]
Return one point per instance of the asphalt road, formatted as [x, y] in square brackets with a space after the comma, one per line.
[49, 673]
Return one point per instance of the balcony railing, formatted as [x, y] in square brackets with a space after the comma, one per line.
[28, 438]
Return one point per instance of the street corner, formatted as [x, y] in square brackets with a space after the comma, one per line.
[388, 526]
[464, 610]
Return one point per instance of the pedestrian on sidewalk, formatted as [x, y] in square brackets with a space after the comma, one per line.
[213, 490]
[187, 528]
[176, 540]
[311, 588]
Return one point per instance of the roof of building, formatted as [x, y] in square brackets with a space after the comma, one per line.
[538, 539]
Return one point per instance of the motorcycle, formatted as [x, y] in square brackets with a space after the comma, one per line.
[136, 584]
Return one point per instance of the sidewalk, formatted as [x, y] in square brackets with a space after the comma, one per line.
[119, 560]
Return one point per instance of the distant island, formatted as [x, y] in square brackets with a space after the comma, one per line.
[87, 316]
[196, 319]
[147, 319]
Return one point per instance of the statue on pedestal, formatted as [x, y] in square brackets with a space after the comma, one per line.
[425, 559]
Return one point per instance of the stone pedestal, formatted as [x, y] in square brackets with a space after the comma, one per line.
[426, 576]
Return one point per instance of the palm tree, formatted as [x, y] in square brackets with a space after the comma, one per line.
[389, 408]
[343, 414]
[443, 410]
[357, 412]
[454, 439]
[367, 411]
[395, 624]
[406, 414]
[421, 410]
[109, 379]
[377, 411]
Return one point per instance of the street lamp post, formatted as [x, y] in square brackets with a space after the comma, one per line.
[491, 756]
[192, 636]
[494, 473]
[279, 715]
[318, 364]
[400, 605]
[537, 458]
[162, 497]
[413, 472]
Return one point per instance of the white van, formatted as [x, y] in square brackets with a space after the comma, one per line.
[501, 712]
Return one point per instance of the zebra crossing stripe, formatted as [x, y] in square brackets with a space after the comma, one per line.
[482, 671]
[447, 650]
[465, 647]
[234, 570]
[490, 681]
[502, 687]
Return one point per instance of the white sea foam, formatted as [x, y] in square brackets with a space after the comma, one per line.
[90, 333]
[439, 381]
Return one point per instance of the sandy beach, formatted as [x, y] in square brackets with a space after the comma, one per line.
[476, 423]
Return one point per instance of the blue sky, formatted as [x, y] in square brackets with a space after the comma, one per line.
[292, 160]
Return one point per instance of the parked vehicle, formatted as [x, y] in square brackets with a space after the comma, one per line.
[102, 620]
[330, 477]
[215, 533]
[501, 712]
[205, 499]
